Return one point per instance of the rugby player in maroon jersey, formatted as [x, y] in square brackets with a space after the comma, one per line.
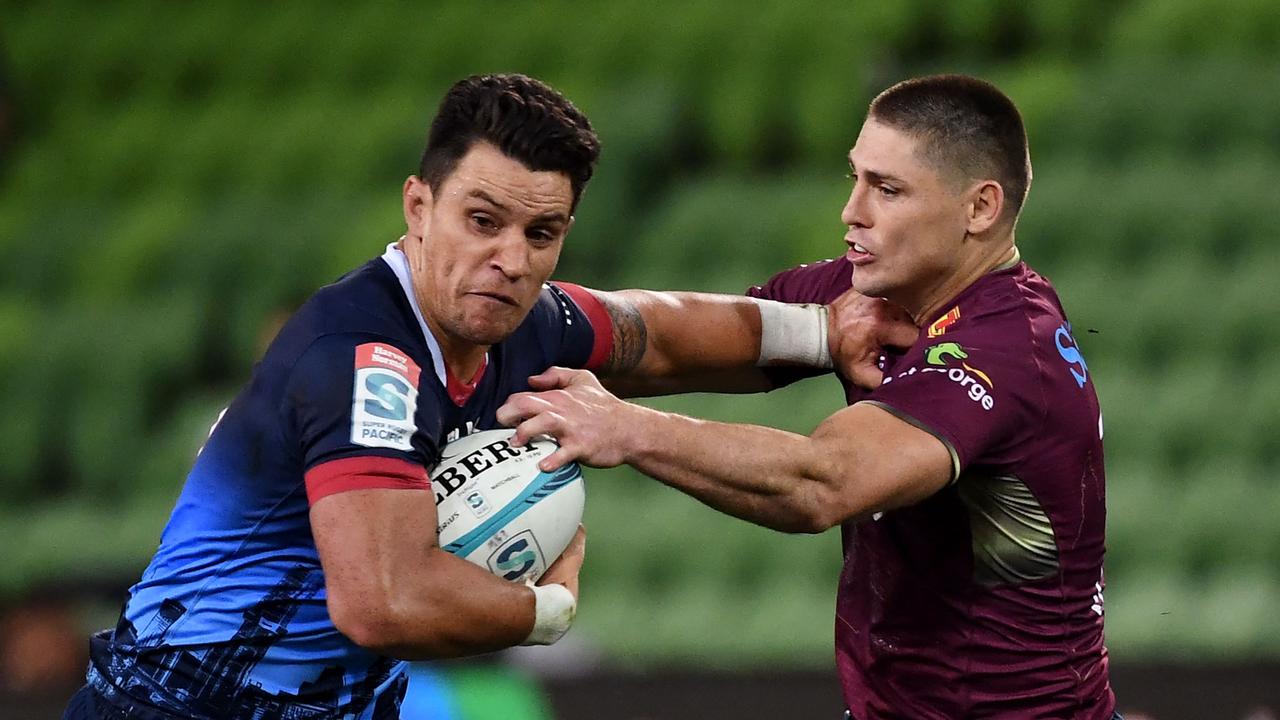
[966, 474]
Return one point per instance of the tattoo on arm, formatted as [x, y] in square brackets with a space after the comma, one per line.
[630, 336]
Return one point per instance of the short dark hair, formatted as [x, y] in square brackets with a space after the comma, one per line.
[965, 125]
[524, 118]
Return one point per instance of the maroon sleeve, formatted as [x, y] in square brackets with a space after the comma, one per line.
[819, 282]
[974, 387]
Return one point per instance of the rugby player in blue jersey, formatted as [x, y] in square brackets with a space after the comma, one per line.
[966, 474]
[300, 568]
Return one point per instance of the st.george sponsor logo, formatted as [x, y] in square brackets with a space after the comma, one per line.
[385, 397]
[949, 358]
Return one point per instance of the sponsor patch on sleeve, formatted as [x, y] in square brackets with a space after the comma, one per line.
[385, 398]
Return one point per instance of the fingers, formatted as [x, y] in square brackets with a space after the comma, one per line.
[578, 545]
[861, 328]
[558, 377]
[565, 569]
[866, 376]
[899, 334]
[516, 409]
[536, 425]
[556, 460]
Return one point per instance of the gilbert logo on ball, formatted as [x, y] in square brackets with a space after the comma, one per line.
[517, 519]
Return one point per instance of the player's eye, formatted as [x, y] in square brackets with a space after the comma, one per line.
[540, 238]
[483, 221]
[887, 190]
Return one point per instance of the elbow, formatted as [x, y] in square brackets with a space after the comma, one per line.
[813, 521]
[428, 624]
[375, 624]
[371, 625]
[812, 509]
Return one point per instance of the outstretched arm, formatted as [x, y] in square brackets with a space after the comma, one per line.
[671, 342]
[859, 461]
[668, 342]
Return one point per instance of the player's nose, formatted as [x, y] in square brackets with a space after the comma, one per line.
[855, 212]
[511, 256]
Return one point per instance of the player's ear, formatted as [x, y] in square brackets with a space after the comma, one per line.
[418, 200]
[983, 206]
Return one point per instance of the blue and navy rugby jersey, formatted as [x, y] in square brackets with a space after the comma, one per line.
[229, 619]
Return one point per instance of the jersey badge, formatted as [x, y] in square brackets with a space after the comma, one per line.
[939, 326]
[385, 398]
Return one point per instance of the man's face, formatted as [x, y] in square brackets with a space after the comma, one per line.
[490, 237]
[906, 221]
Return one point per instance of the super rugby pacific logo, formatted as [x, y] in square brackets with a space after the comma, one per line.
[1071, 353]
[517, 557]
[389, 396]
[385, 397]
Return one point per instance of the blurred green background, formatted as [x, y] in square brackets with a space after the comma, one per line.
[176, 178]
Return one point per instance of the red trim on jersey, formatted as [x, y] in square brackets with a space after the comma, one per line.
[364, 472]
[460, 392]
[601, 324]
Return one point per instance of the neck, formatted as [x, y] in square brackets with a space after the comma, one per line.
[461, 357]
[966, 275]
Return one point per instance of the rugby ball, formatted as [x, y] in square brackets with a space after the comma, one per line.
[495, 508]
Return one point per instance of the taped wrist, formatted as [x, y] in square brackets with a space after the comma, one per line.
[792, 334]
[554, 608]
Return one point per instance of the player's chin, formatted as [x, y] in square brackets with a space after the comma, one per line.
[491, 330]
[867, 281]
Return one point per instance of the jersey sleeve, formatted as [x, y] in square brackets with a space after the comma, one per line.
[974, 389]
[353, 405]
[575, 328]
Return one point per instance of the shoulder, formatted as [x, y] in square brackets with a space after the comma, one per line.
[364, 305]
[570, 324]
[998, 333]
[818, 282]
[1004, 309]
[368, 298]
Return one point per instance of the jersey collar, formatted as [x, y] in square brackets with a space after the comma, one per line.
[399, 264]
[1017, 258]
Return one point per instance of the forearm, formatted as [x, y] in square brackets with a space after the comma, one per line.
[738, 380]
[766, 476]
[447, 607]
[391, 589]
[683, 333]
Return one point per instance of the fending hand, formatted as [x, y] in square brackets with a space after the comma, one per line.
[859, 328]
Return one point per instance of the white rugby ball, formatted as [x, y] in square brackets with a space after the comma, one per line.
[495, 508]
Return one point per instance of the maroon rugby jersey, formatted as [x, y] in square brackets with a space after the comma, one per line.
[984, 600]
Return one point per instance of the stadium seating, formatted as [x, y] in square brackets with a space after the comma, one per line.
[184, 176]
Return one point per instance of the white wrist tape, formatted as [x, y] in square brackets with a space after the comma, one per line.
[793, 334]
[554, 608]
